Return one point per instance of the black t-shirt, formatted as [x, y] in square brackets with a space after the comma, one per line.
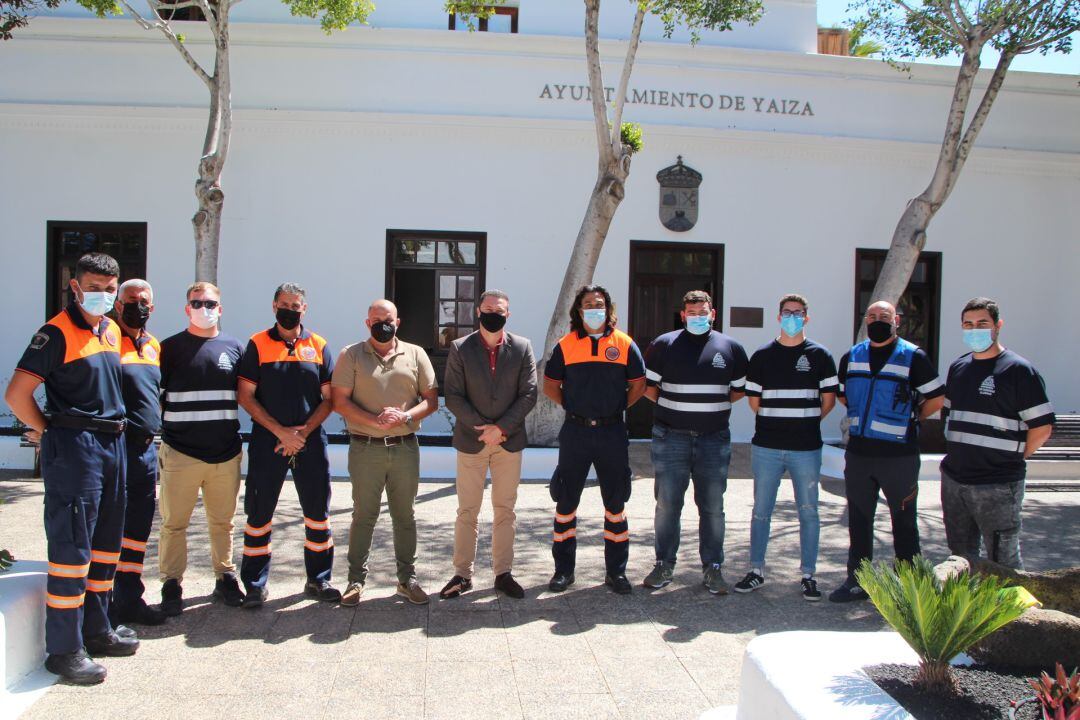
[198, 380]
[990, 405]
[923, 375]
[790, 382]
[696, 375]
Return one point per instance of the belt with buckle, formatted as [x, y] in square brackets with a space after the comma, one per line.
[593, 422]
[113, 427]
[388, 441]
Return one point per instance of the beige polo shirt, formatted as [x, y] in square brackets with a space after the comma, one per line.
[378, 382]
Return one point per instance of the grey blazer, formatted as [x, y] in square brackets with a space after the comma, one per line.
[477, 398]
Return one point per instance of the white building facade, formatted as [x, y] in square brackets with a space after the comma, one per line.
[410, 161]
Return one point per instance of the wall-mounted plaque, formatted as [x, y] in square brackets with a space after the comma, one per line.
[678, 196]
[748, 317]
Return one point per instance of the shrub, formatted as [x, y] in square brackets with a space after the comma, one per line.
[1059, 696]
[940, 620]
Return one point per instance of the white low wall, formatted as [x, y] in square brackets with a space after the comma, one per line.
[22, 635]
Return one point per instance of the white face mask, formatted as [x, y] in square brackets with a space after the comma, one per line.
[205, 318]
[97, 303]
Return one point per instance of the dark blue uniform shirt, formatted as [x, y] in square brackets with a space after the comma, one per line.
[594, 372]
[80, 367]
[289, 377]
[140, 360]
[790, 382]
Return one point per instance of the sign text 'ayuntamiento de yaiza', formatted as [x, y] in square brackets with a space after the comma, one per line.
[684, 99]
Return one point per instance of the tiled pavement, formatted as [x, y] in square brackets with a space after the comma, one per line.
[585, 653]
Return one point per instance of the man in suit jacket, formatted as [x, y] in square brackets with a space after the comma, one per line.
[490, 387]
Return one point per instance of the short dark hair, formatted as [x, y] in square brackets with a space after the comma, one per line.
[696, 296]
[577, 323]
[982, 303]
[97, 264]
[794, 297]
[289, 288]
[498, 294]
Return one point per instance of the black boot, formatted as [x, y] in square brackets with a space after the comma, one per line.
[172, 598]
[75, 668]
[111, 645]
[227, 589]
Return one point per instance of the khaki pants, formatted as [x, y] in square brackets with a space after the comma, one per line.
[182, 477]
[472, 470]
[373, 467]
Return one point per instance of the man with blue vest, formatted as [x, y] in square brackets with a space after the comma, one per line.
[887, 384]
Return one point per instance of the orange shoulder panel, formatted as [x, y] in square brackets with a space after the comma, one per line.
[80, 343]
[151, 352]
[576, 349]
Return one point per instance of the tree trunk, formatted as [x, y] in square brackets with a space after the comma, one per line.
[544, 421]
[206, 222]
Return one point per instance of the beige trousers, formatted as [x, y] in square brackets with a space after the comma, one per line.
[472, 471]
[182, 477]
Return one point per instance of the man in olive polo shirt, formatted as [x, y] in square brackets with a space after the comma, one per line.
[383, 387]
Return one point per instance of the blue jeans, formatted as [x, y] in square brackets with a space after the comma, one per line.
[678, 455]
[768, 466]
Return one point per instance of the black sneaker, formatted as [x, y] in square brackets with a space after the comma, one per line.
[76, 668]
[750, 583]
[810, 591]
[112, 645]
[253, 598]
[507, 585]
[848, 592]
[560, 581]
[457, 586]
[172, 598]
[618, 584]
[227, 589]
[322, 590]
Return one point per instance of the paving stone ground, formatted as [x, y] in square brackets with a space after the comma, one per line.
[584, 653]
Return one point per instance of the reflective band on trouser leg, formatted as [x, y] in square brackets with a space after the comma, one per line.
[141, 488]
[107, 536]
[311, 476]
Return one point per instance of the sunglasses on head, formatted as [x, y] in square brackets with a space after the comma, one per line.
[199, 304]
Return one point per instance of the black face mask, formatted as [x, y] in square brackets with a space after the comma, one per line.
[135, 315]
[383, 331]
[879, 331]
[287, 318]
[492, 322]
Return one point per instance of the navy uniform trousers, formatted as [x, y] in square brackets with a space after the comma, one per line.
[265, 478]
[608, 450]
[84, 521]
[142, 473]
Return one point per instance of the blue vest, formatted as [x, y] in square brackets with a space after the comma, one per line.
[880, 406]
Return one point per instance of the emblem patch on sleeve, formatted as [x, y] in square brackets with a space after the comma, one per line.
[38, 341]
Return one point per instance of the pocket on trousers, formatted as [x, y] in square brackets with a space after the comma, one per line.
[555, 485]
[659, 432]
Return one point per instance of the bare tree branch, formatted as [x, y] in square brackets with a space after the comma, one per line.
[963, 15]
[167, 31]
[978, 119]
[596, 79]
[624, 80]
[211, 18]
[963, 32]
[159, 6]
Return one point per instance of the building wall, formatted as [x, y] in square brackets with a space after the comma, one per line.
[337, 140]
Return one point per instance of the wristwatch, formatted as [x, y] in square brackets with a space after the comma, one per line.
[409, 421]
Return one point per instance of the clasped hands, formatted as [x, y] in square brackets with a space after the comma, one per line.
[490, 434]
[291, 440]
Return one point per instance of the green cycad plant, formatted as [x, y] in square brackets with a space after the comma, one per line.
[940, 620]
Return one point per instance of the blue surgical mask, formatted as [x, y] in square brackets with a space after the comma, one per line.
[594, 319]
[792, 325]
[978, 339]
[97, 303]
[698, 324]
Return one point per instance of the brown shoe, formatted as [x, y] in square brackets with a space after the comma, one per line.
[411, 591]
[351, 596]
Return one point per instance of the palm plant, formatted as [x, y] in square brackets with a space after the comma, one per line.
[940, 620]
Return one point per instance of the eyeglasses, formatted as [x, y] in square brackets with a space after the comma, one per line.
[793, 313]
[199, 304]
